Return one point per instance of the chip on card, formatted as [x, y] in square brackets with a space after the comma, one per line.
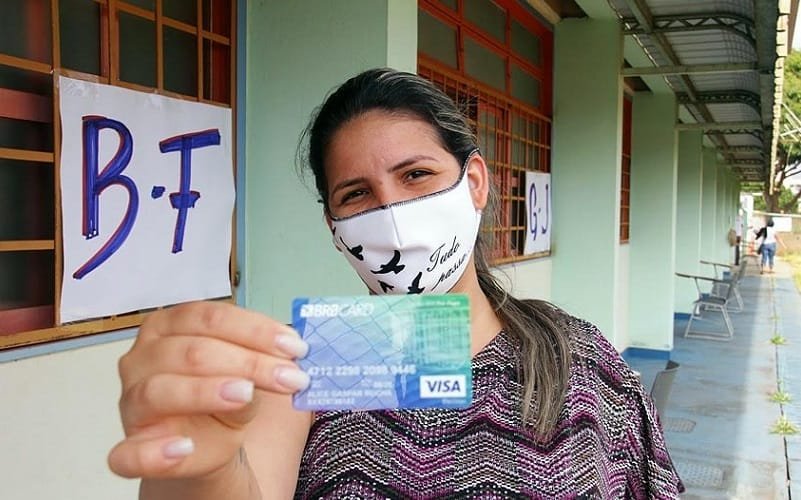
[385, 352]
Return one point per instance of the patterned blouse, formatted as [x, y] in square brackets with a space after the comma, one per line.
[607, 443]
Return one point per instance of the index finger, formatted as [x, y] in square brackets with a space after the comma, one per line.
[225, 322]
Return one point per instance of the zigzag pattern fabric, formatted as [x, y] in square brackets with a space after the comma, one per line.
[607, 443]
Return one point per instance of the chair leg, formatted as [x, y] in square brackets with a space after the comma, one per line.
[689, 323]
[719, 336]
[739, 298]
[727, 319]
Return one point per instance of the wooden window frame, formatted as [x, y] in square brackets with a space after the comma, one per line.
[472, 95]
[625, 172]
[34, 107]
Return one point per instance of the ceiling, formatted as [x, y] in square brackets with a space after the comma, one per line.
[724, 59]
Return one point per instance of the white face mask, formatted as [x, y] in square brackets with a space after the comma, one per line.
[421, 245]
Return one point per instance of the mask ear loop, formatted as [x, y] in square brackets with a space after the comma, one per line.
[466, 160]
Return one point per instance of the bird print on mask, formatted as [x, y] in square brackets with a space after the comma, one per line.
[355, 251]
[393, 266]
[415, 286]
[385, 287]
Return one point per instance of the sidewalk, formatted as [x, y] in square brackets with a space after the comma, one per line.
[719, 417]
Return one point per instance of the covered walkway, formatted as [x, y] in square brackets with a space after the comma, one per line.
[720, 419]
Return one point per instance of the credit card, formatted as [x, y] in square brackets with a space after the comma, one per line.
[385, 352]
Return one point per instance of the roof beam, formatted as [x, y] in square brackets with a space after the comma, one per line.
[741, 149]
[721, 21]
[697, 69]
[718, 126]
[733, 96]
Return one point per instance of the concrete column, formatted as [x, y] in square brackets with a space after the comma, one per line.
[709, 204]
[586, 170]
[688, 216]
[296, 53]
[652, 248]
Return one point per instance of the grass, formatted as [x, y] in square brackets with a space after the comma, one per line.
[784, 427]
[778, 340]
[781, 396]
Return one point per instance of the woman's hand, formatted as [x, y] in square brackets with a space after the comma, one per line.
[188, 387]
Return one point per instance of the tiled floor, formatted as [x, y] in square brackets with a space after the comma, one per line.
[719, 418]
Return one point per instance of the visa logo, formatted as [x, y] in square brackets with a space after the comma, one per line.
[442, 386]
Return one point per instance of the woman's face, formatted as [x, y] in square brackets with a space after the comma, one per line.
[380, 158]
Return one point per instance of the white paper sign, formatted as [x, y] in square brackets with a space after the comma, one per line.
[538, 213]
[147, 196]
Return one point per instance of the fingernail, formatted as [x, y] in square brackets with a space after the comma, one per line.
[292, 344]
[238, 391]
[292, 378]
[179, 448]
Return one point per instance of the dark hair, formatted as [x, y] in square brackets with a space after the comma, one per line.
[770, 221]
[538, 325]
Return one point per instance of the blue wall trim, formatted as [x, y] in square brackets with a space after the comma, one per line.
[679, 315]
[66, 345]
[643, 353]
[241, 110]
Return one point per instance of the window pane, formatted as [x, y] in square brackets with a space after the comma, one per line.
[25, 29]
[137, 50]
[216, 72]
[180, 61]
[181, 10]
[436, 39]
[483, 64]
[525, 87]
[26, 200]
[80, 35]
[21, 134]
[27, 279]
[525, 44]
[26, 81]
[217, 16]
[487, 16]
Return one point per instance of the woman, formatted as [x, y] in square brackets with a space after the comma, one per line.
[768, 246]
[555, 412]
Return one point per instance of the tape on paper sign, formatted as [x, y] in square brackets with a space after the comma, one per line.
[385, 352]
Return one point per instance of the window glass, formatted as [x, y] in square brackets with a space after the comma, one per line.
[217, 16]
[26, 200]
[483, 64]
[436, 39]
[487, 16]
[181, 10]
[525, 44]
[25, 29]
[180, 61]
[80, 35]
[216, 72]
[137, 50]
[525, 87]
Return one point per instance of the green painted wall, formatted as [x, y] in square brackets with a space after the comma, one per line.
[586, 169]
[709, 204]
[652, 247]
[688, 217]
[728, 199]
[296, 53]
[722, 216]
